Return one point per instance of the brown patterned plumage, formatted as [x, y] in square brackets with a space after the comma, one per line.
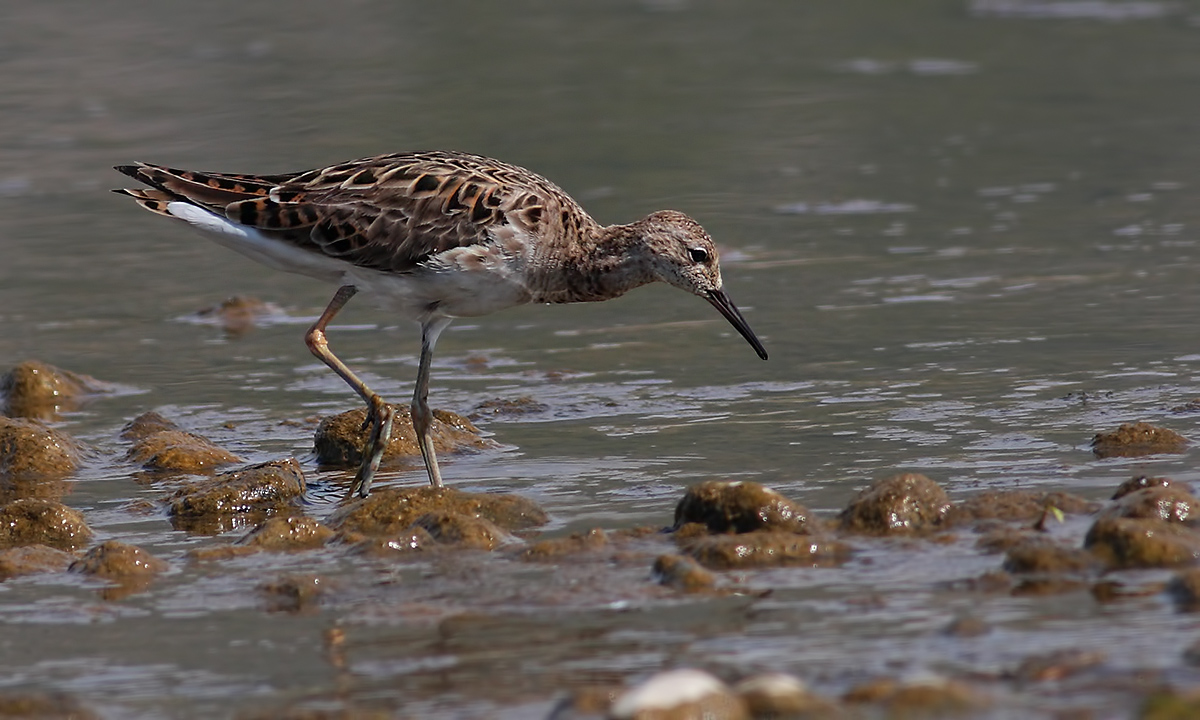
[437, 235]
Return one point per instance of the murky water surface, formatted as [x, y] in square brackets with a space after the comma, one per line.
[966, 232]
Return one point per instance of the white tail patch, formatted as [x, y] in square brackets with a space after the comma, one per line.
[206, 220]
[270, 251]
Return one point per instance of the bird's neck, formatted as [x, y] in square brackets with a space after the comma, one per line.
[600, 264]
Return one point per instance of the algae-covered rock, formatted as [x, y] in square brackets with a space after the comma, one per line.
[931, 696]
[114, 560]
[30, 450]
[238, 314]
[741, 507]
[1137, 439]
[1043, 556]
[590, 702]
[129, 566]
[967, 626]
[145, 425]
[902, 504]
[1002, 538]
[1056, 665]
[293, 593]
[179, 451]
[462, 530]
[1139, 482]
[37, 521]
[765, 549]
[682, 573]
[779, 695]
[238, 497]
[555, 549]
[391, 510]
[34, 389]
[414, 541]
[287, 534]
[1170, 503]
[32, 560]
[1142, 543]
[1014, 505]
[524, 405]
[340, 438]
[1184, 589]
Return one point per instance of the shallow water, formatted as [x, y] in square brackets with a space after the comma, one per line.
[966, 232]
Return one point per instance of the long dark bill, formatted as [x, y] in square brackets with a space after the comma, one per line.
[725, 306]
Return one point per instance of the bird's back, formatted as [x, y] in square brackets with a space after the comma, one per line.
[389, 213]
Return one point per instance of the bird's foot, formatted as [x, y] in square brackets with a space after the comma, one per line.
[376, 409]
[379, 416]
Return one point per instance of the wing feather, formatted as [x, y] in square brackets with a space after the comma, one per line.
[390, 212]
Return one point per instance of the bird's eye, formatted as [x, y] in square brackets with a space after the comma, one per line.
[698, 255]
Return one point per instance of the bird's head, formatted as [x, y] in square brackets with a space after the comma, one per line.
[680, 253]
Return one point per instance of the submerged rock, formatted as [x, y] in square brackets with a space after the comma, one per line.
[967, 626]
[34, 389]
[741, 507]
[238, 314]
[340, 438]
[523, 405]
[902, 504]
[129, 567]
[293, 593]
[1137, 439]
[392, 510]
[32, 560]
[1056, 665]
[765, 549]
[30, 451]
[288, 534]
[1184, 589]
[1002, 538]
[1122, 542]
[679, 695]
[113, 560]
[36, 521]
[586, 703]
[930, 696]
[238, 497]
[1014, 505]
[1043, 556]
[682, 573]
[557, 548]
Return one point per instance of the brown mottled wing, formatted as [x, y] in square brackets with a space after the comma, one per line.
[388, 213]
